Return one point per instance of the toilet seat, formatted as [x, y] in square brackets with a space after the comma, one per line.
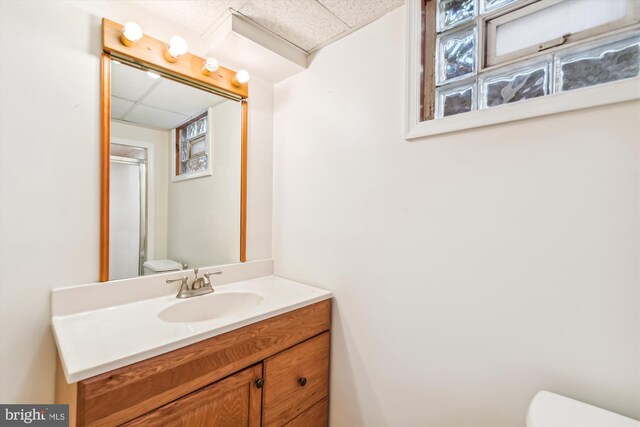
[549, 409]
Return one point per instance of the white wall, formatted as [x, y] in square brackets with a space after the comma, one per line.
[259, 170]
[49, 171]
[204, 213]
[469, 270]
[160, 197]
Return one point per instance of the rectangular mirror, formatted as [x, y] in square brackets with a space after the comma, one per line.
[176, 157]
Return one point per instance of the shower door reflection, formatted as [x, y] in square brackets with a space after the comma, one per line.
[128, 220]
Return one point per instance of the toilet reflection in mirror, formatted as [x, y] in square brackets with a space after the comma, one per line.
[175, 175]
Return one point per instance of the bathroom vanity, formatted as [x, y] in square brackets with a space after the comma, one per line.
[253, 353]
[266, 363]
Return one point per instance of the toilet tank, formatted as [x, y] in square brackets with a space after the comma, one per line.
[549, 409]
[161, 266]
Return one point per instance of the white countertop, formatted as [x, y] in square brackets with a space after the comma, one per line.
[97, 341]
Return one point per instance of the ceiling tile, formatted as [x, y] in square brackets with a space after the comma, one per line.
[180, 98]
[154, 117]
[119, 106]
[128, 82]
[359, 12]
[128, 151]
[392, 4]
[305, 23]
[198, 15]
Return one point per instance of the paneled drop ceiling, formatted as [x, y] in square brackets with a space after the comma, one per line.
[155, 102]
[307, 24]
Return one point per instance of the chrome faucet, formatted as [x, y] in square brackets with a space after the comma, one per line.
[199, 286]
[198, 282]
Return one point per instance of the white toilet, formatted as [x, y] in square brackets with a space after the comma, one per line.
[549, 409]
[156, 266]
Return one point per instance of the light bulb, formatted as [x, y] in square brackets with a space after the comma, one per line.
[211, 65]
[131, 33]
[177, 47]
[240, 78]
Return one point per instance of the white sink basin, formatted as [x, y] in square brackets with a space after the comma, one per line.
[212, 306]
[99, 339]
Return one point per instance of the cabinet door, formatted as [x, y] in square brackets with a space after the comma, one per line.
[295, 380]
[234, 401]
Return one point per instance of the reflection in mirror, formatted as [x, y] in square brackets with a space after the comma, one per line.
[174, 175]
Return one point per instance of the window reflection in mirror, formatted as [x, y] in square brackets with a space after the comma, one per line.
[175, 175]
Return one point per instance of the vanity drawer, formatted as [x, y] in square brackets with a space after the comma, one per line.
[316, 416]
[295, 380]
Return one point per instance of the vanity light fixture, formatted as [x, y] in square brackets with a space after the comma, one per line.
[211, 65]
[176, 48]
[131, 33]
[241, 77]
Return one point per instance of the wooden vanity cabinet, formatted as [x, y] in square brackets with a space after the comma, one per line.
[214, 382]
[233, 401]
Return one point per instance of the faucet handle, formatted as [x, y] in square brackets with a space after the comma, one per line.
[184, 286]
[181, 279]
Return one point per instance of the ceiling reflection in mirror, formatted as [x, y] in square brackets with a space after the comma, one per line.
[175, 172]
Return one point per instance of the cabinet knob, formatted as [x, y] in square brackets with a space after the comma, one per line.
[302, 381]
[259, 382]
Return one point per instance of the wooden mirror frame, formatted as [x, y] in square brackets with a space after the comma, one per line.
[149, 53]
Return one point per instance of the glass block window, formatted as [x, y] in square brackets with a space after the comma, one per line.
[456, 57]
[469, 72]
[456, 99]
[191, 146]
[454, 12]
[516, 83]
[491, 5]
[596, 64]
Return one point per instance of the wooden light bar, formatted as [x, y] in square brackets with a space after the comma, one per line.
[149, 52]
